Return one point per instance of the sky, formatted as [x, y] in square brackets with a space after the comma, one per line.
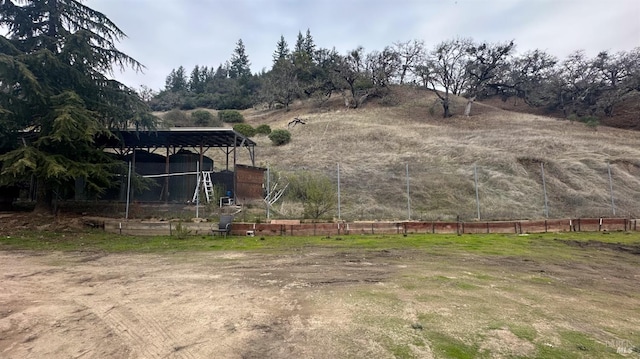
[166, 34]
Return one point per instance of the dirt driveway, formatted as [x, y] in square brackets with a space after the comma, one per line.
[310, 303]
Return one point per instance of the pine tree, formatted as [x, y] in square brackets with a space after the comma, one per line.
[196, 81]
[282, 50]
[309, 45]
[239, 62]
[56, 96]
[299, 43]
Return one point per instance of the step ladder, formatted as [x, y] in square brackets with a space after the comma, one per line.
[204, 180]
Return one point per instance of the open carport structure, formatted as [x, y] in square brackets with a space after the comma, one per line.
[191, 145]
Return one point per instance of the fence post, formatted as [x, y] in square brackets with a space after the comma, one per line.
[475, 177]
[544, 188]
[613, 205]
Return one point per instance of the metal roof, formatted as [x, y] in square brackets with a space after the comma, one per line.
[177, 137]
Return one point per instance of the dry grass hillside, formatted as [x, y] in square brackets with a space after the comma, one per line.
[374, 144]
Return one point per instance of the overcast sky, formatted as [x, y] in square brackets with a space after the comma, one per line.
[164, 34]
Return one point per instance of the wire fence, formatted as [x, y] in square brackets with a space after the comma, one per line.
[529, 189]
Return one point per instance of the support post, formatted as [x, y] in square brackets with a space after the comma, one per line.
[339, 215]
[198, 179]
[475, 177]
[126, 212]
[544, 188]
[613, 205]
[268, 201]
[408, 194]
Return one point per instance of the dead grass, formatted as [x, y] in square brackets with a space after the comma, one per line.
[373, 144]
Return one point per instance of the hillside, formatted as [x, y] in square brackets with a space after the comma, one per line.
[374, 144]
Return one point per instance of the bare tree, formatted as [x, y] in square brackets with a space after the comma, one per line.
[486, 61]
[577, 93]
[146, 93]
[618, 75]
[281, 84]
[447, 75]
[382, 66]
[410, 54]
[527, 77]
[350, 69]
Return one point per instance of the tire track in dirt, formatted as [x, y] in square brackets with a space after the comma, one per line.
[140, 330]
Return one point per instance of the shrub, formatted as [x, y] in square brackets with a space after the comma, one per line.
[591, 122]
[230, 116]
[245, 129]
[280, 137]
[201, 117]
[176, 118]
[316, 192]
[263, 129]
[188, 103]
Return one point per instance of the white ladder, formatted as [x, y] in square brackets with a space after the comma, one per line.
[204, 178]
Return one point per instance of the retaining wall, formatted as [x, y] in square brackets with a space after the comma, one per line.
[344, 228]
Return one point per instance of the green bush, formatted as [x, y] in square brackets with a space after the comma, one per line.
[591, 122]
[280, 137]
[245, 129]
[263, 129]
[189, 103]
[176, 118]
[230, 116]
[201, 118]
[316, 192]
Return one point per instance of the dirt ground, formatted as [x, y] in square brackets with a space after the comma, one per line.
[310, 303]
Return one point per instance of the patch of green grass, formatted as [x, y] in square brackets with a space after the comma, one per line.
[582, 342]
[523, 331]
[575, 344]
[465, 285]
[388, 299]
[409, 286]
[401, 351]
[543, 247]
[483, 276]
[446, 346]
